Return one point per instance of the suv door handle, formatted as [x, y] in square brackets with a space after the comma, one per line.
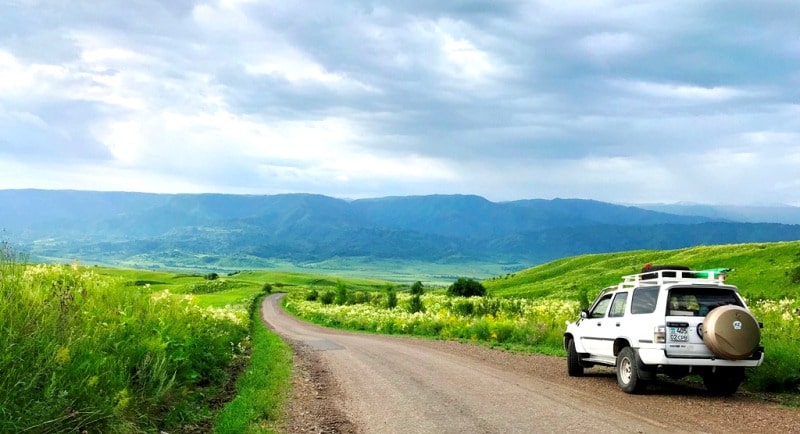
[617, 324]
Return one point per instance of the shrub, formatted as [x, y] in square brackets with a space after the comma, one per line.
[211, 276]
[415, 304]
[358, 297]
[327, 297]
[794, 275]
[267, 288]
[583, 298]
[417, 288]
[464, 307]
[209, 286]
[464, 287]
[312, 295]
[391, 297]
[341, 293]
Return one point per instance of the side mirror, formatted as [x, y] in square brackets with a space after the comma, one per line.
[584, 314]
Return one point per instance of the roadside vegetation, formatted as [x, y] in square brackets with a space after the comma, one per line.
[527, 310]
[90, 349]
[263, 387]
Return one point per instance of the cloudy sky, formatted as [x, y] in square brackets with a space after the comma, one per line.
[629, 102]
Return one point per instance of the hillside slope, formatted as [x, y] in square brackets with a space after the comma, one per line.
[761, 270]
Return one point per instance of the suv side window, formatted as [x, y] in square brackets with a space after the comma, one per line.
[618, 306]
[599, 310]
[644, 299]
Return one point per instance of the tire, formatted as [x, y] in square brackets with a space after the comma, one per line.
[628, 372]
[724, 382]
[652, 271]
[665, 267]
[574, 366]
[731, 332]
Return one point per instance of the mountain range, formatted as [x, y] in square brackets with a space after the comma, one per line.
[221, 230]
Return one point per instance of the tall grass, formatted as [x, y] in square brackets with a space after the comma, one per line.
[781, 368]
[86, 352]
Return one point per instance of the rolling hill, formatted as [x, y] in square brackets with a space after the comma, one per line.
[761, 270]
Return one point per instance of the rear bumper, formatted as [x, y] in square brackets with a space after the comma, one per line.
[657, 356]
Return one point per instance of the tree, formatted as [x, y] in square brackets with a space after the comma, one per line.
[267, 288]
[464, 287]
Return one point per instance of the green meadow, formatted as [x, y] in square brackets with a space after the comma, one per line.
[118, 350]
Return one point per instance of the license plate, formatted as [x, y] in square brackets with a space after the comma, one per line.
[679, 334]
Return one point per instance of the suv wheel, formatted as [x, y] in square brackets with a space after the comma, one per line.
[628, 371]
[723, 382]
[574, 367]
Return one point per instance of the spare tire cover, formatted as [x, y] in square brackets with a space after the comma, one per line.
[731, 332]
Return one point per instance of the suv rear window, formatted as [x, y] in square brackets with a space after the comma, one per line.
[698, 301]
[644, 300]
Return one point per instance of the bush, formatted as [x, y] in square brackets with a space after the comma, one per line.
[415, 304]
[341, 293]
[417, 288]
[464, 307]
[211, 276]
[312, 295]
[267, 288]
[391, 297]
[794, 275]
[464, 287]
[326, 297]
[209, 286]
[358, 297]
[583, 297]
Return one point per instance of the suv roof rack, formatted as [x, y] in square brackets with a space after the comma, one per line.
[660, 277]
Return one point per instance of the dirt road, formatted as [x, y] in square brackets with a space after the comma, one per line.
[349, 382]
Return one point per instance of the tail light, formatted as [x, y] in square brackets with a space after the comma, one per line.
[660, 334]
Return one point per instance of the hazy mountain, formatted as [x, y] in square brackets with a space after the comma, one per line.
[784, 214]
[190, 229]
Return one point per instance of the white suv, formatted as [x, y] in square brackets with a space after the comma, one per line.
[671, 320]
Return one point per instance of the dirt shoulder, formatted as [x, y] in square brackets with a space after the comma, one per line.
[316, 404]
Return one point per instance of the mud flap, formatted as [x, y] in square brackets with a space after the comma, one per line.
[646, 372]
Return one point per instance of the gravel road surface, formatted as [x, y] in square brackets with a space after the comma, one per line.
[361, 383]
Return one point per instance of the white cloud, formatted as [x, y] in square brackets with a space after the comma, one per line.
[464, 60]
[685, 92]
